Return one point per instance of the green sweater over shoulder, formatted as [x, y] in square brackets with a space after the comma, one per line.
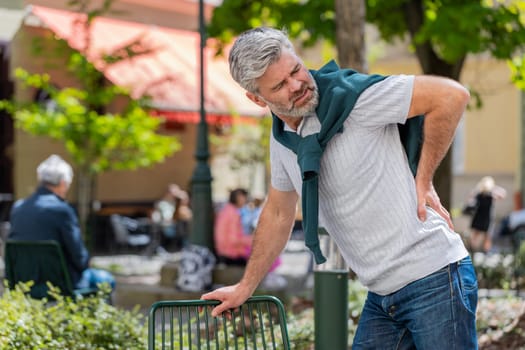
[339, 90]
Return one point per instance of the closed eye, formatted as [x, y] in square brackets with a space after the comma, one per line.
[278, 86]
[294, 71]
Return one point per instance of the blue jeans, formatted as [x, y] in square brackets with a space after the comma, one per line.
[91, 277]
[435, 312]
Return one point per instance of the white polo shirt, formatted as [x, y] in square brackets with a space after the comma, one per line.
[367, 194]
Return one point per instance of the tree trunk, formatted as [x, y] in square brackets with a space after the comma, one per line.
[432, 64]
[350, 34]
[85, 185]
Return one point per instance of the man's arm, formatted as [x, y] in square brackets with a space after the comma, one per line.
[443, 102]
[270, 237]
[72, 239]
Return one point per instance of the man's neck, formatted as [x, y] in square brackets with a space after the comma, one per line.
[292, 122]
[57, 190]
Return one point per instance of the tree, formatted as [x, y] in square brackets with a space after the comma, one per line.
[441, 32]
[350, 34]
[247, 147]
[96, 139]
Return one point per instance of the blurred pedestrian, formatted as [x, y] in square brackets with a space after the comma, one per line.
[231, 244]
[250, 213]
[482, 197]
[183, 217]
[173, 214]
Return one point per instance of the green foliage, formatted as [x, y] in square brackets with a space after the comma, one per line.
[247, 145]
[309, 21]
[84, 324]
[86, 6]
[444, 30]
[301, 329]
[453, 28]
[97, 142]
[477, 25]
[356, 300]
[244, 143]
[517, 67]
[495, 271]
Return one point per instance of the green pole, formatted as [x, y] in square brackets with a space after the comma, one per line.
[331, 309]
[330, 298]
[202, 228]
[521, 173]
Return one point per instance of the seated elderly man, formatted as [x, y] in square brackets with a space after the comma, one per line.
[45, 215]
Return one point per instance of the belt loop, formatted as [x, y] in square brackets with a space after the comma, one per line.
[463, 260]
[454, 267]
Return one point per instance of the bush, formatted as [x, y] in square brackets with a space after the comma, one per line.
[84, 324]
[494, 271]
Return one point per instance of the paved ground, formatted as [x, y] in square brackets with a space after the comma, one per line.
[139, 277]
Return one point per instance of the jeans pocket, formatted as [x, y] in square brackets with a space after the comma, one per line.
[468, 284]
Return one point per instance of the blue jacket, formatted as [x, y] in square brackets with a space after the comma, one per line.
[45, 216]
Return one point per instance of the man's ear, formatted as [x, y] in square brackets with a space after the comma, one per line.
[256, 99]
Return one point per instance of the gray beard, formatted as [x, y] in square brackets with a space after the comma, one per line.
[298, 112]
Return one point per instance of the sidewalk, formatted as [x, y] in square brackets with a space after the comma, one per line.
[139, 277]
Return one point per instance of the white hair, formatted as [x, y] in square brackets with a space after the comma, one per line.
[53, 170]
[486, 184]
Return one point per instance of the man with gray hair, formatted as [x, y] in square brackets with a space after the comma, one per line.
[336, 142]
[46, 216]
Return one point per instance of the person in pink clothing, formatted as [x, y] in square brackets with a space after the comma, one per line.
[231, 244]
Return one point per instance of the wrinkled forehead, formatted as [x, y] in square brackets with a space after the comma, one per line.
[279, 70]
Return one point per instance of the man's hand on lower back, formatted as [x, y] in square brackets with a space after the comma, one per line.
[427, 196]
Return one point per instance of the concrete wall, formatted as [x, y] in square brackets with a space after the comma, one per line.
[492, 138]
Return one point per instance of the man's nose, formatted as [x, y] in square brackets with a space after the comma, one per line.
[295, 85]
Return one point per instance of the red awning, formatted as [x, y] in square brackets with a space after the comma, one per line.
[194, 117]
[167, 71]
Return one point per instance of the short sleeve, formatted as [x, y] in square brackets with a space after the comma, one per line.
[279, 176]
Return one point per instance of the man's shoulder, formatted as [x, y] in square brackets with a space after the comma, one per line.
[18, 203]
[54, 204]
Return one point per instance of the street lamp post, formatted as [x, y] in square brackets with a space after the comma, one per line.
[521, 172]
[202, 228]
